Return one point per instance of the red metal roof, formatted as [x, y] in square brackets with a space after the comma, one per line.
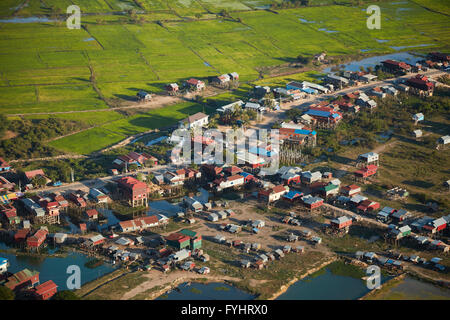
[45, 287]
[278, 189]
[31, 174]
[132, 183]
[178, 237]
[91, 212]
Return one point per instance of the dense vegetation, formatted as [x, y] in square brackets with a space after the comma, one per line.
[32, 135]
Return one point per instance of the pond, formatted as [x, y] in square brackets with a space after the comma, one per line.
[26, 20]
[109, 215]
[373, 61]
[327, 286]
[164, 207]
[414, 46]
[208, 291]
[54, 268]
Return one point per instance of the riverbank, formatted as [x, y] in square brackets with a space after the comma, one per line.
[384, 287]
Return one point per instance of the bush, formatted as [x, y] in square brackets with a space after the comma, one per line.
[65, 295]
[6, 293]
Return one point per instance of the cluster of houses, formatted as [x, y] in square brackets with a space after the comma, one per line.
[394, 261]
[262, 259]
[124, 162]
[26, 281]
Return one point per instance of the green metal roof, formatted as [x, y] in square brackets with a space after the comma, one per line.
[189, 233]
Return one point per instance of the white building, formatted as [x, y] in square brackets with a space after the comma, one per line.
[3, 265]
[197, 120]
[230, 107]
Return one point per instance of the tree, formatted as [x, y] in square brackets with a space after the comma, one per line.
[3, 124]
[133, 167]
[6, 293]
[65, 295]
[39, 181]
[198, 15]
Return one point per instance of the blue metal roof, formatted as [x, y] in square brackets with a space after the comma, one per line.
[302, 131]
[292, 194]
[308, 90]
[260, 151]
[245, 174]
[318, 113]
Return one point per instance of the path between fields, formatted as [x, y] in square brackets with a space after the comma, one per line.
[157, 101]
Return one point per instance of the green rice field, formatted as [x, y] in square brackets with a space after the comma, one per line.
[46, 67]
[100, 137]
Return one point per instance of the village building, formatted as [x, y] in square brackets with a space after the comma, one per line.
[77, 198]
[341, 222]
[6, 185]
[417, 133]
[393, 66]
[98, 196]
[96, 240]
[139, 224]
[435, 225]
[45, 290]
[324, 116]
[366, 172]
[400, 232]
[4, 264]
[8, 215]
[4, 166]
[143, 96]
[197, 120]
[443, 142]
[336, 80]
[329, 190]
[312, 202]
[350, 190]
[439, 56]
[91, 214]
[229, 182]
[308, 177]
[420, 85]
[230, 107]
[418, 117]
[302, 136]
[368, 206]
[273, 194]
[172, 88]
[178, 240]
[222, 79]
[22, 280]
[124, 161]
[133, 191]
[36, 240]
[194, 84]
[251, 160]
[30, 175]
[254, 106]
[368, 158]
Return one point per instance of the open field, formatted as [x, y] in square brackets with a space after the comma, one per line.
[47, 67]
[100, 137]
